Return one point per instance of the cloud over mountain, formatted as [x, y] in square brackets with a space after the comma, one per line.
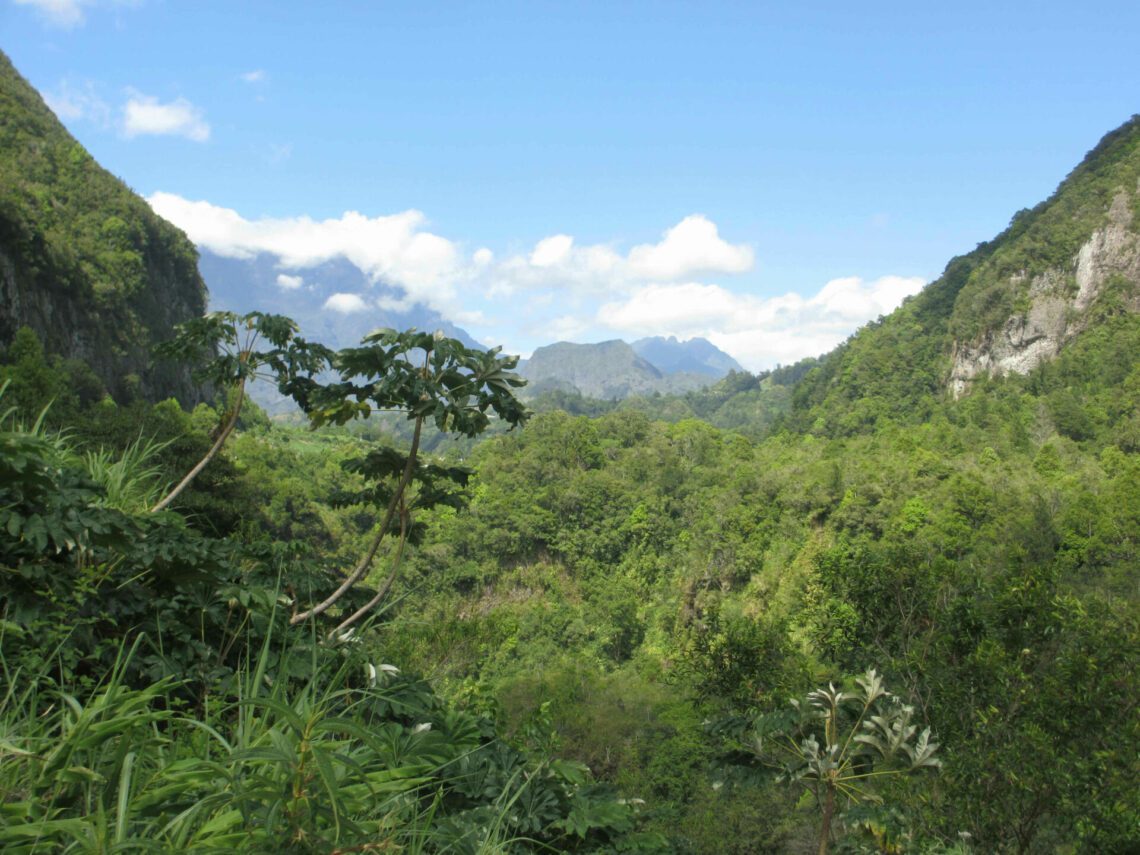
[559, 288]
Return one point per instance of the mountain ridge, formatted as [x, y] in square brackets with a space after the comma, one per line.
[84, 261]
[1022, 290]
[615, 369]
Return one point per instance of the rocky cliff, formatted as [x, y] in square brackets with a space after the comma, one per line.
[84, 261]
[1056, 302]
[1063, 270]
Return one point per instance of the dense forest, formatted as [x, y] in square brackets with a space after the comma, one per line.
[846, 606]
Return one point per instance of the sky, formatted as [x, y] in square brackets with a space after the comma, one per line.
[769, 176]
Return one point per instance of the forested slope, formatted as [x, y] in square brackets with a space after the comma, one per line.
[84, 262]
[1008, 307]
[604, 633]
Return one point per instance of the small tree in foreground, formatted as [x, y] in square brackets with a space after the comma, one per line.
[228, 342]
[428, 378]
[836, 744]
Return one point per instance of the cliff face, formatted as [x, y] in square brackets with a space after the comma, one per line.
[1013, 303]
[84, 261]
[1058, 301]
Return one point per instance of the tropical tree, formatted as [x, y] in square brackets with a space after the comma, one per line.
[837, 743]
[229, 344]
[429, 378]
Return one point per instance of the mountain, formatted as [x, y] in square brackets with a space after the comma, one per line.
[607, 370]
[1052, 299]
[84, 262]
[262, 283]
[697, 356]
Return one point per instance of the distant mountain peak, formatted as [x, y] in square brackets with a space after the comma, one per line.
[696, 355]
[617, 369]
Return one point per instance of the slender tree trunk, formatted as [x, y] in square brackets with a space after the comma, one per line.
[828, 813]
[386, 587]
[366, 562]
[218, 443]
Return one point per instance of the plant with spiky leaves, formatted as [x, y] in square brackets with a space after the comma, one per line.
[836, 743]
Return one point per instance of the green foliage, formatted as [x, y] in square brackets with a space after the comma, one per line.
[838, 745]
[156, 698]
[94, 270]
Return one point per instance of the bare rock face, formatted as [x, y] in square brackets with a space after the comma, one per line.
[1059, 300]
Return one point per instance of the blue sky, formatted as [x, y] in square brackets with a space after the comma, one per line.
[769, 176]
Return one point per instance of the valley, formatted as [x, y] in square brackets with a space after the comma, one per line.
[879, 600]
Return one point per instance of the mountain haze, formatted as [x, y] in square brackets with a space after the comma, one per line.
[697, 356]
[258, 283]
[612, 369]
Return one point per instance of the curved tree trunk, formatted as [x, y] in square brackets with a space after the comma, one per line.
[385, 588]
[218, 443]
[366, 562]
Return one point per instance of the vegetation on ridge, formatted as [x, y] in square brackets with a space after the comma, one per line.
[585, 639]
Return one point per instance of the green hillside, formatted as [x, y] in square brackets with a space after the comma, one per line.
[85, 262]
[882, 603]
[901, 366]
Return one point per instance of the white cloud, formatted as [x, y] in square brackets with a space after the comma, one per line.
[255, 76]
[394, 248]
[346, 303]
[143, 114]
[758, 332]
[572, 291]
[691, 248]
[73, 103]
[289, 283]
[565, 328]
[551, 251]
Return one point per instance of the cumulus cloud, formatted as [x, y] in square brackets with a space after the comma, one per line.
[395, 248]
[569, 290]
[758, 332]
[255, 76]
[551, 251]
[691, 248]
[143, 114]
[346, 304]
[289, 283]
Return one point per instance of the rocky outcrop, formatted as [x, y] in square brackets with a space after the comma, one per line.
[1058, 304]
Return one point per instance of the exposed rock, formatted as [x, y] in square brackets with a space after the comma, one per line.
[1059, 301]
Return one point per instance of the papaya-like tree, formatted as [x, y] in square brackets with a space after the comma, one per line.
[837, 743]
[428, 378]
[238, 348]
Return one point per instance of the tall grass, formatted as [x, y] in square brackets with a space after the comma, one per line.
[130, 478]
[324, 764]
